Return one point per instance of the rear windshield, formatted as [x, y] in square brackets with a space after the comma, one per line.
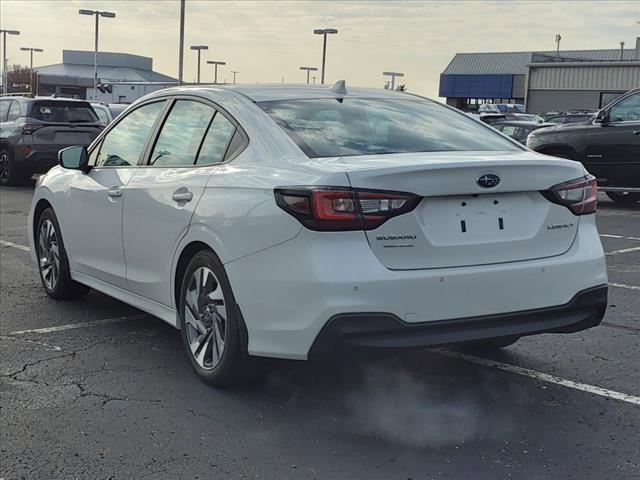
[63, 112]
[359, 126]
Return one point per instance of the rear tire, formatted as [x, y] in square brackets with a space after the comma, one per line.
[211, 325]
[488, 346]
[624, 198]
[53, 263]
[9, 174]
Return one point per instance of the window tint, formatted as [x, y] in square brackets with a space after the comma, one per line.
[627, 110]
[14, 111]
[236, 144]
[182, 133]
[4, 108]
[216, 141]
[508, 130]
[63, 112]
[123, 145]
[102, 115]
[358, 126]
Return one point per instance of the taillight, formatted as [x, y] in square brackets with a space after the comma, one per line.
[343, 209]
[29, 128]
[580, 195]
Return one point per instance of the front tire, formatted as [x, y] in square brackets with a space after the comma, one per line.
[624, 198]
[210, 324]
[53, 263]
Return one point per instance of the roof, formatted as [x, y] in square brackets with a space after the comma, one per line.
[516, 62]
[279, 91]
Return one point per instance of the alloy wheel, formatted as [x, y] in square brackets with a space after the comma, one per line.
[5, 166]
[48, 254]
[205, 316]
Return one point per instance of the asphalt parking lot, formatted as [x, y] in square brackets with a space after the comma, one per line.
[95, 389]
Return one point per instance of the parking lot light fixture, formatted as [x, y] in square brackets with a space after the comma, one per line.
[5, 77]
[234, 75]
[309, 69]
[31, 50]
[324, 32]
[199, 49]
[215, 63]
[97, 14]
[558, 38]
[393, 76]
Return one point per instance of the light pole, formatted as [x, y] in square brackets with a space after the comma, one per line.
[31, 50]
[309, 69]
[313, 77]
[5, 77]
[181, 53]
[393, 76]
[324, 32]
[97, 14]
[215, 63]
[234, 75]
[621, 51]
[199, 48]
[558, 38]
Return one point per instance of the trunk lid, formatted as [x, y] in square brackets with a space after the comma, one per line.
[458, 222]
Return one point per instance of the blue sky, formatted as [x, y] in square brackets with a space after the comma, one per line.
[266, 40]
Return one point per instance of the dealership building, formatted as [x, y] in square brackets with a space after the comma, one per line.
[543, 81]
[74, 76]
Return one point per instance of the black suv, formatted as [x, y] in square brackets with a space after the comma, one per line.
[608, 144]
[32, 130]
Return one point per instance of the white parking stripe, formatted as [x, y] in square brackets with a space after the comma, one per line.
[622, 285]
[619, 236]
[624, 250]
[14, 245]
[544, 377]
[71, 326]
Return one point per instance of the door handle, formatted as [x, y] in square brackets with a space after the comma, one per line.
[114, 192]
[182, 195]
[636, 132]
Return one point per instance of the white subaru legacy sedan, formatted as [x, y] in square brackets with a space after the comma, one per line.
[298, 222]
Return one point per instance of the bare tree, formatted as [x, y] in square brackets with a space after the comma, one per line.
[18, 78]
[401, 88]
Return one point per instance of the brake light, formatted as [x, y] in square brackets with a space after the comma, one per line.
[29, 128]
[580, 195]
[343, 209]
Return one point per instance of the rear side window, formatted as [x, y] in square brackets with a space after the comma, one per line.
[359, 126]
[63, 112]
[182, 134]
[215, 143]
[123, 145]
[102, 115]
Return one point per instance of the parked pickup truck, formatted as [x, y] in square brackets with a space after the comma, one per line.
[608, 144]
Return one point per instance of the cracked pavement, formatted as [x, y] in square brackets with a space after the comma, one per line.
[118, 400]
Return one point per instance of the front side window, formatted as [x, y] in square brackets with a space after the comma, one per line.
[627, 110]
[123, 145]
[359, 126]
[182, 134]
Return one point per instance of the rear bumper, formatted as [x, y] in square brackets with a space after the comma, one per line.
[40, 161]
[385, 331]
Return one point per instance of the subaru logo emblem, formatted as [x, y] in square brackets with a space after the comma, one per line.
[488, 180]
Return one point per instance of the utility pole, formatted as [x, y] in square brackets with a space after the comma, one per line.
[5, 76]
[31, 50]
[181, 53]
[199, 48]
[215, 75]
[324, 32]
[97, 14]
[309, 69]
[234, 75]
[621, 51]
[393, 76]
[558, 38]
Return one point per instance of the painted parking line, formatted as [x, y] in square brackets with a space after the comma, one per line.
[624, 250]
[544, 377]
[605, 235]
[71, 326]
[622, 285]
[4, 243]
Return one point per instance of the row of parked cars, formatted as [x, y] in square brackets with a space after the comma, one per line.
[607, 142]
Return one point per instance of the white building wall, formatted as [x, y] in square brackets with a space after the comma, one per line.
[123, 93]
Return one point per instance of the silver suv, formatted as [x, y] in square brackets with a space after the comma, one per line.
[33, 130]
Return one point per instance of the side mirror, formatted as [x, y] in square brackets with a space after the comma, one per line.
[602, 117]
[74, 158]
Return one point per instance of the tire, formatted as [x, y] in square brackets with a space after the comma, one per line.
[488, 346]
[624, 198]
[9, 174]
[53, 263]
[211, 326]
